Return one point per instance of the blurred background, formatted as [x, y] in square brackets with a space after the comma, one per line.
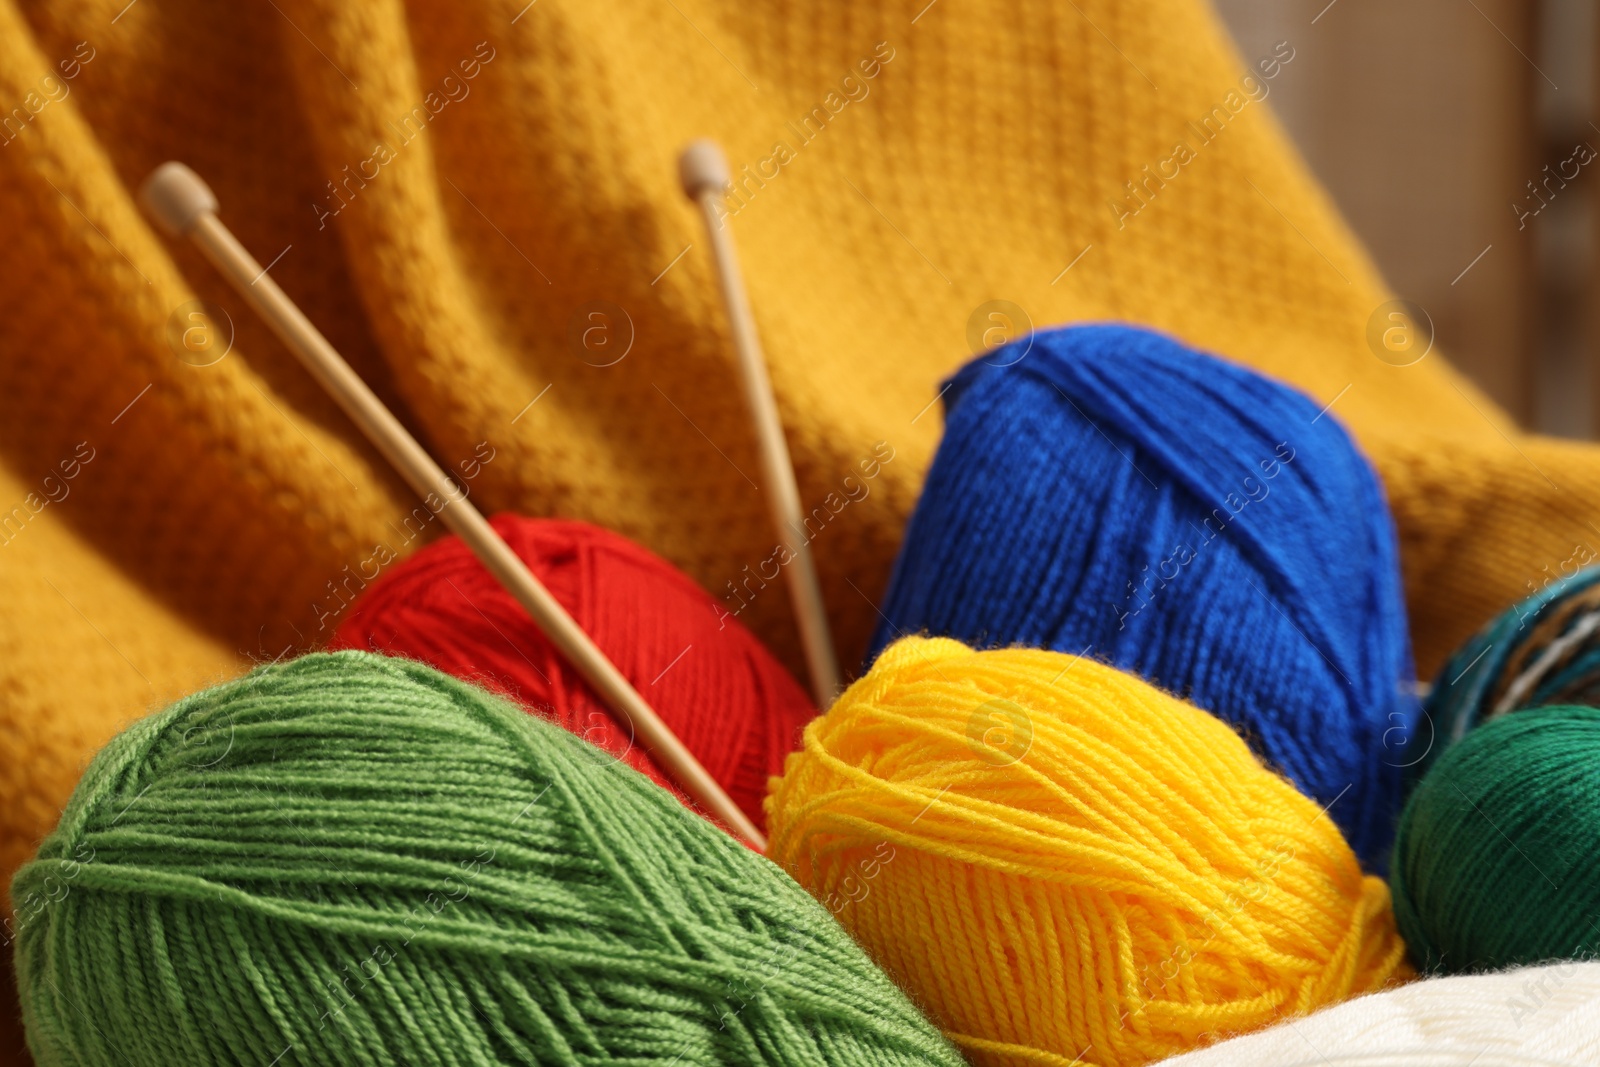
[1459, 137]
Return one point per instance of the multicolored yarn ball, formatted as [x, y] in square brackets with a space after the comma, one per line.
[347, 859]
[1494, 864]
[1544, 650]
[708, 677]
[1104, 490]
[1062, 863]
[1531, 1017]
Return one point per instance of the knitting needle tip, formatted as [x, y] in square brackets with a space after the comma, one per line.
[703, 168]
[177, 198]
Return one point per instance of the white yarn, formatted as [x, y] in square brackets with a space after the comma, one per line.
[1546, 1016]
[1553, 654]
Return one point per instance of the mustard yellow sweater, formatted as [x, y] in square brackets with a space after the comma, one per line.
[454, 191]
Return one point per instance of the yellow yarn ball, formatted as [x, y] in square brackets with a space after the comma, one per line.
[1062, 863]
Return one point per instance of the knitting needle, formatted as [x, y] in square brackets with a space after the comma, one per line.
[186, 207]
[703, 170]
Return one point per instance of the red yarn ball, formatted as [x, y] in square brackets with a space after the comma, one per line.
[707, 676]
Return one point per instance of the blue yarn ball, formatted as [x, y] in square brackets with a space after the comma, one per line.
[1105, 490]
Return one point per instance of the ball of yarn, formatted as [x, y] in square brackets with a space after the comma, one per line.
[1531, 1017]
[709, 679]
[1543, 650]
[1494, 863]
[347, 859]
[1059, 860]
[1104, 490]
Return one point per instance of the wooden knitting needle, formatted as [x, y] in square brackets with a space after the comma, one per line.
[703, 169]
[183, 204]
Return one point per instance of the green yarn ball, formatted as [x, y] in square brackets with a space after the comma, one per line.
[347, 859]
[1495, 861]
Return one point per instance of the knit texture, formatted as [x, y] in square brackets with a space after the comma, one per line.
[84, 650]
[1543, 650]
[1105, 491]
[1530, 1017]
[348, 859]
[711, 682]
[979, 163]
[1494, 863]
[1063, 864]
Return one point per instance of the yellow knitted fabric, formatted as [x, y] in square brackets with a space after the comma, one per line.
[1062, 863]
[74, 624]
[450, 231]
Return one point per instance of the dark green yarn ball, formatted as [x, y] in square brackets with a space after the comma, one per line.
[347, 859]
[1543, 650]
[1496, 863]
